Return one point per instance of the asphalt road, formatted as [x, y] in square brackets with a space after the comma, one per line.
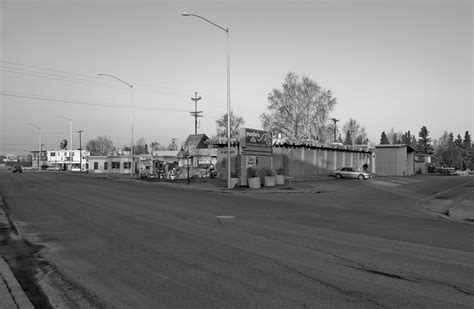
[341, 244]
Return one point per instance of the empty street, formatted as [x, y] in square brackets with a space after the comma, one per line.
[326, 244]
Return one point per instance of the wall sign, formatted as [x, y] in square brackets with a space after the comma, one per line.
[255, 142]
[251, 161]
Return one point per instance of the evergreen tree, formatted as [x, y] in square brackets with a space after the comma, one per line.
[406, 138]
[348, 140]
[413, 143]
[424, 143]
[451, 139]
[384, 139]
[458, 141]
[467, 143]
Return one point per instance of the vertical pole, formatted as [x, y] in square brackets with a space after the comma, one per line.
[70, 147]
[80, 150]
[132, 167]
[39, 152]
[228, 107]
[187, 156]
[195, 113]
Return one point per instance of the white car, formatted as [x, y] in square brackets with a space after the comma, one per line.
[349, 172]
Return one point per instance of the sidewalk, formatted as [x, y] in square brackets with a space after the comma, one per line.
[11, 293]
[293, 184]
[464, 210]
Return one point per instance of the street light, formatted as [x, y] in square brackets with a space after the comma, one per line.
[185, 149]
[131, 120]
[70, 137]
[39, 146]
[226, 30]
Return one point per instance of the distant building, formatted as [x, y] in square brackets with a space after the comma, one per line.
[165, 156]
[423, 162]
[201, 153]
[394, 160]
[115, 164]
[69, 159]
[43, 158]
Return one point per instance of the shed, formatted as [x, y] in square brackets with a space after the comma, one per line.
[394, 160]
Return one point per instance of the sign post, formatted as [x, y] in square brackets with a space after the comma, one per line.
[256, 150]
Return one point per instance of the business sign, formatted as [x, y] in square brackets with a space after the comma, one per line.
[251, 161]
[256, 142]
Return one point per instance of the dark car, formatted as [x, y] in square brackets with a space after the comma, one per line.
[17, 169]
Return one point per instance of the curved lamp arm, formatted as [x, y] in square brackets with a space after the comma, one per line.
[129, 85]
[205, 19]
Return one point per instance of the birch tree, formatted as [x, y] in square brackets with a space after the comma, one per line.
[300, 110]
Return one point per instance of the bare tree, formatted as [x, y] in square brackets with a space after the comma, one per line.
[101, 146]
[357, 132]
[235, 123]
[140, 147]
[300, 110]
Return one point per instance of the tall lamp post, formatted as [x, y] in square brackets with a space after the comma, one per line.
[226, 30]
[80, 150]
[131, 120]
[70, 137]
[39, 145]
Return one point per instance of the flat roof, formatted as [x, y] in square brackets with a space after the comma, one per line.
[409, 148]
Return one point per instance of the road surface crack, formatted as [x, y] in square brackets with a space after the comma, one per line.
[361, 267]
[350, 293]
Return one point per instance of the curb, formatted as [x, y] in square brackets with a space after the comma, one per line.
[11, 293]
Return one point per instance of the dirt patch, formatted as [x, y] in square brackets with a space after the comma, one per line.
[443, 197]
[24, 261]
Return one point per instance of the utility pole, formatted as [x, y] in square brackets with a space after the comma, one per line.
[173, 143]
[196, 113]
[335, 128]
[80, 150]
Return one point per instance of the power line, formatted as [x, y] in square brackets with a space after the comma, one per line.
[97, 81]
[88, 103]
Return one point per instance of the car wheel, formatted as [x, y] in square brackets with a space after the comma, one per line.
[338, 176]
[361, 177]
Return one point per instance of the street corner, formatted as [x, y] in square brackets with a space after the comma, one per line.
[463, 211]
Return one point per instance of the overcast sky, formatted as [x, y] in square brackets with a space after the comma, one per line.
[390, 64]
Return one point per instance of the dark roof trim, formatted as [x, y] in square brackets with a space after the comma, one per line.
[409, 148]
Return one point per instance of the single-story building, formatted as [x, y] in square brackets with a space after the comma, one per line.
[423, 162]
[201, 153]
[394, 160]
[115, 164]
[292, 158]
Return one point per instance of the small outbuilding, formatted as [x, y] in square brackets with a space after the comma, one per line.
[394, 160]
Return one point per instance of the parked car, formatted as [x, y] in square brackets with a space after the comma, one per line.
[349, 172]
[18, 169]
[53, 168]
